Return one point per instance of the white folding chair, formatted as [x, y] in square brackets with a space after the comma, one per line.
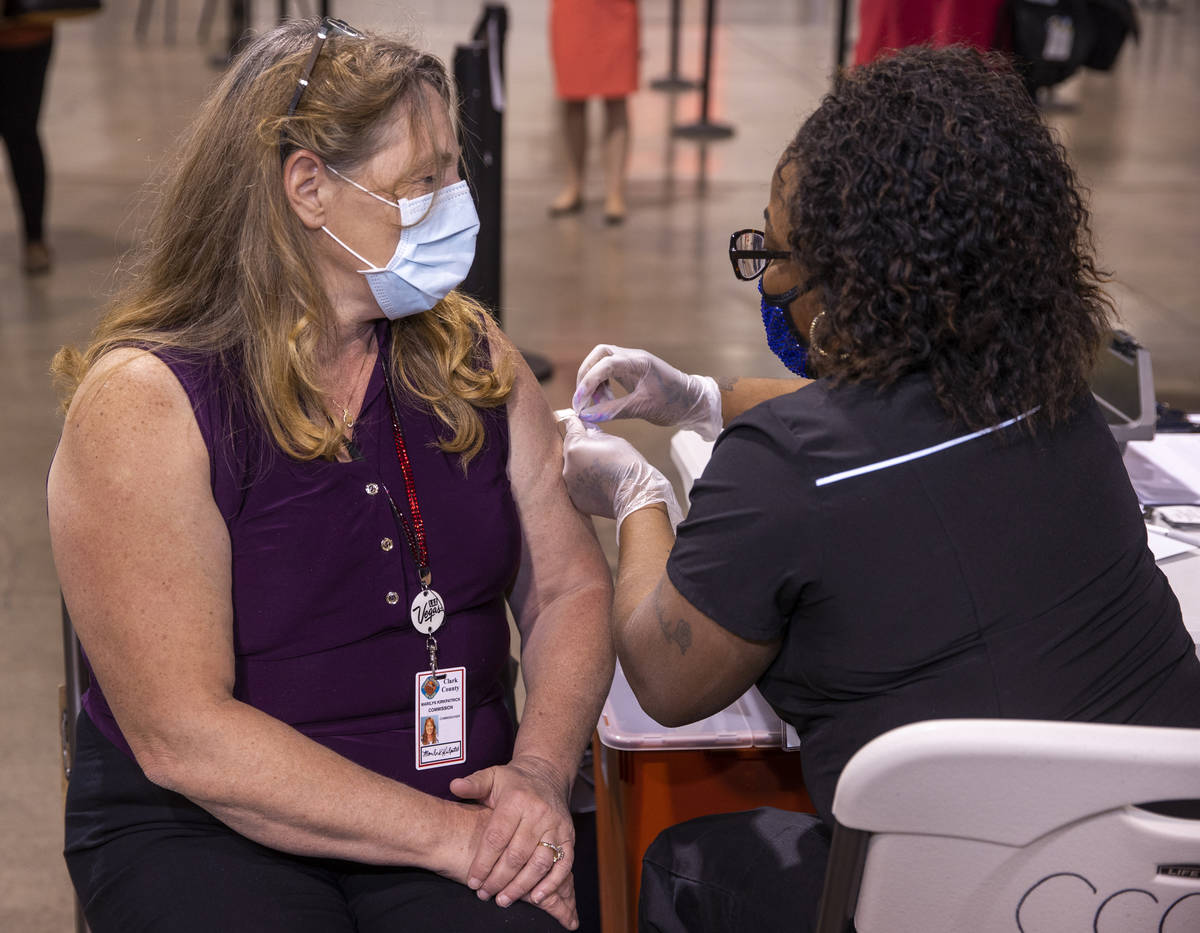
[989, 825]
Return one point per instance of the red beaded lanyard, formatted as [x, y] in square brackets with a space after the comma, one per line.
[428, 611]
[414, 531]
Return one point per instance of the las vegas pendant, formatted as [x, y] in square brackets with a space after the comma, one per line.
[427, 611]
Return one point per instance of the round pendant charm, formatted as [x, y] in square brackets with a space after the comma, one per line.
[427, 612]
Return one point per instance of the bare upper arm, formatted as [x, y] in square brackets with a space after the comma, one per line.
[681, 664]
[560, 553]
[141, 550]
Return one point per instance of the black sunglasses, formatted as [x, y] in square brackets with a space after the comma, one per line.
[327, 25]
[749, 255]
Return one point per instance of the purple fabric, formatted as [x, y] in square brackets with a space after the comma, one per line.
[317, 643]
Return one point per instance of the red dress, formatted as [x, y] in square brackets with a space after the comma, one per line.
[594, 44]
[894, 24]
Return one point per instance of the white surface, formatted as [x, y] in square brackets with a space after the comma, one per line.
[748, 723]
[689, 453]
[1177, 454]
[976, 817]
[1183, 573]
[1164, 544]
[927, 776]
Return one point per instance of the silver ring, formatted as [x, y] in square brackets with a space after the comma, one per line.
[558, 851]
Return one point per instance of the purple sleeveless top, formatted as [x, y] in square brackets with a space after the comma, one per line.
[323, 578]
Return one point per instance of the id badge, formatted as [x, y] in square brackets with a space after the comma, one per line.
[441, 705]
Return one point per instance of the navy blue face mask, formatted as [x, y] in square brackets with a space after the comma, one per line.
[782, 337]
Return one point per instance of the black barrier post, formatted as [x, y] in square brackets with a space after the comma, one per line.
[322, 9]
[478, 72]
[479, 75]
[705, 128]
[239, 27]
[842, 26]
[672, 80]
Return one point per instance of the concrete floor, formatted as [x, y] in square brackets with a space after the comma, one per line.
[660, 281]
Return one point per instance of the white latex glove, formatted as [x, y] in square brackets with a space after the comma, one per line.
[658, 392]
[606, 476]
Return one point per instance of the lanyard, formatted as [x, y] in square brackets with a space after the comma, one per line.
[427, 611]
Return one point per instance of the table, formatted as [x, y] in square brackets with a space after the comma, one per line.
[649, 777]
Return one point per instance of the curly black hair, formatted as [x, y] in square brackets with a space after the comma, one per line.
[943, 226]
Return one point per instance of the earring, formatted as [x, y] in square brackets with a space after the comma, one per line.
[812, 336]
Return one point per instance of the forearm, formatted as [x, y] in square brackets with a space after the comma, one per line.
[567, 665]
[281, 789]
[646, 542]
[740, 395]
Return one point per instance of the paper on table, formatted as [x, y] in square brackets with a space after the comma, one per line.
[1166, 470]
[1162, 546]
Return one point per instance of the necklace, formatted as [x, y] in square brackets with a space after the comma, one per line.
[347, 415]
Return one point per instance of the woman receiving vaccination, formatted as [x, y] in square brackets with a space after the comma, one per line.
[300, 478]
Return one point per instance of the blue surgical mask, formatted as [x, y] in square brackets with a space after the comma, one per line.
[782, 337]
[434, 255]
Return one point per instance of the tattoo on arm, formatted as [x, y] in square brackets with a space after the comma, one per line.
[725, 383]
[676, 631]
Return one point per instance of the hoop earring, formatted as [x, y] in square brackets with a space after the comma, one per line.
[812, 336]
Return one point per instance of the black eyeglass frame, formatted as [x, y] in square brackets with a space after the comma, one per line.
[327, 25]
[736, 255]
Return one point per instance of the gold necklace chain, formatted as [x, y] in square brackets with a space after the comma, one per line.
[347, 417]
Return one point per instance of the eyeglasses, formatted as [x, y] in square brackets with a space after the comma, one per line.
[328, 25]
[749, 255]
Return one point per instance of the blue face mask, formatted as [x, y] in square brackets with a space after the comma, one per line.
[782, 337]
[434, 255]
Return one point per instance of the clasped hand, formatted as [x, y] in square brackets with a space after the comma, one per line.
[524, 805]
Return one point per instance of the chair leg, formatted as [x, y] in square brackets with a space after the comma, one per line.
[843, 876]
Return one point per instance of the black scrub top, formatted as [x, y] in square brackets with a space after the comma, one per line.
[915, 572]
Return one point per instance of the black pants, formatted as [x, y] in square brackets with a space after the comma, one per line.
[735, 872]
[22, 80]
[146, 859]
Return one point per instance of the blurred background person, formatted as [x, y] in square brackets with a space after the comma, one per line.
[885, 25]
[24, 58]
[594, 47]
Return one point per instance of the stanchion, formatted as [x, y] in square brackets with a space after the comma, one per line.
[672, 81]
[239, 33]
[479, 76]
[839, 53]
[322, 9]
[704, 128]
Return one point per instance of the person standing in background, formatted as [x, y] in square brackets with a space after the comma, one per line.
[889, 24]
[594, 45]
[24, 57]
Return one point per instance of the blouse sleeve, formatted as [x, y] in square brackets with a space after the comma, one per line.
[750, 544]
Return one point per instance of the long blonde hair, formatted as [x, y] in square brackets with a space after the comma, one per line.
[226, 267]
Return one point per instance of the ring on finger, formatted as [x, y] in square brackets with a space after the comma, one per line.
[557, 850]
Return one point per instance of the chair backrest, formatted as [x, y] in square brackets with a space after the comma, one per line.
[70, 696]
[75, 682]
[1020, 826]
